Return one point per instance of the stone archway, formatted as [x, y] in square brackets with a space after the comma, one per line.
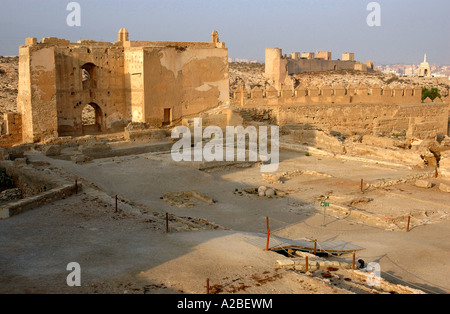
[91, 118]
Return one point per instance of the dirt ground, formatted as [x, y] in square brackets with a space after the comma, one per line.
[130, 251]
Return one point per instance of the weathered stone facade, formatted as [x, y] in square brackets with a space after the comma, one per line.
[126, 81]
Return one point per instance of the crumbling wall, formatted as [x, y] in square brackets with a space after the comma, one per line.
[123, 82]
[37, 92]
[183, 81]
[10, 129]
[366, 118]
[104, 88]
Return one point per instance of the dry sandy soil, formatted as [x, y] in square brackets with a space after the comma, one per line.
[129, 251]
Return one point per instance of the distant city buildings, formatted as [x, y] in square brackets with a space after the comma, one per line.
[243, 60]
[424, 69]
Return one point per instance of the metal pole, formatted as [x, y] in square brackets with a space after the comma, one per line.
[306, 263]
[407, 227]
[167, 222]
[315, 247]
[116, 204]
[353, 263]
[323, 222]
[268, 233]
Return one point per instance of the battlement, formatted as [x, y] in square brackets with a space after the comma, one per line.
[326, 55]
[327, 95]
[124, 41]
[279, 67]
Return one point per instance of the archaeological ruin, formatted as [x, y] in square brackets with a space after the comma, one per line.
[126, 81]
[279, 67]
[88, 174]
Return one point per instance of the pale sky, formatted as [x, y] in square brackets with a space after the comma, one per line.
[409, 28]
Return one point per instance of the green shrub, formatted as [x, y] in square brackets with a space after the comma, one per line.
[432, 93]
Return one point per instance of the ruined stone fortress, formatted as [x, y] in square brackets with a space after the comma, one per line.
[126, 81]
[163, 83]
[278, 67]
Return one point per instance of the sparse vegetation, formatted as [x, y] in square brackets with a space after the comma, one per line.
[399, 135]
[431, 93]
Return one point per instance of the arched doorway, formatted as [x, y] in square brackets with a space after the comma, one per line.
[91, 118]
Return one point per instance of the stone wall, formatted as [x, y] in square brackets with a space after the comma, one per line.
[278, 68]
[10, 129]
[377, 119]
[326, 95]
[126, 81]
[352, 110]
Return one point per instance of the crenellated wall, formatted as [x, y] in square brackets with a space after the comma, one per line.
[279, 67]
[326, 95]
[352, 110]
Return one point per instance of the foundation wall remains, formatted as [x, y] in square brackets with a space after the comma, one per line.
[10, 129]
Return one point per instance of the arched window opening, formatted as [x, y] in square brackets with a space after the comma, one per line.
[89, 76]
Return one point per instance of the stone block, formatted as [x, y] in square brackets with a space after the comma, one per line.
[4, 154]
[423, 184]
[51, 150]
[444, 187]
[78, 159]
[20, 161]
[285, 263]
[94, 148]
[270, 193]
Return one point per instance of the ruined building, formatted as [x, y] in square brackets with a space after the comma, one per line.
[278, 67]
[126, 81]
